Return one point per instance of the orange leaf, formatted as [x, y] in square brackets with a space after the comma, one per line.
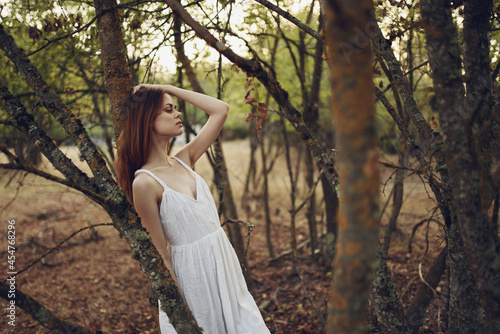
[249, 117]
[263, 110]
[248, 93]
[259, 123]
[250, 100]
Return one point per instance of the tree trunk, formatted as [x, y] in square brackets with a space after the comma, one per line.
[416, 311]
[354, 120]
[114, 59]
[385, 301]
[462, 156]
[265, 199]
[479, 88]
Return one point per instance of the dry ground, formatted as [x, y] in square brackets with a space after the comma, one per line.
[92, 280]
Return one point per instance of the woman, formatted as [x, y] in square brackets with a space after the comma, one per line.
[176, 208]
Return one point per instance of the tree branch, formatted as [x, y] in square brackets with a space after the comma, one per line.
[253, 67]
[59, 110]
[25, 123]
[286, 15]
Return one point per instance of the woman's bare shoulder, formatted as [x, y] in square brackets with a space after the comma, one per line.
[143, 184]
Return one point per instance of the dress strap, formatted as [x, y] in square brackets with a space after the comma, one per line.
[185, 165]
[150, 173]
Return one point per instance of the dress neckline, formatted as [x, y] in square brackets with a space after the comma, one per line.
[166, 187]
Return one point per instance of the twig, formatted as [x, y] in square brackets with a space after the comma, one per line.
[306, 200]
[290, 18]
[50, 41]
[415, 228]
[249, 230]
[435, 295]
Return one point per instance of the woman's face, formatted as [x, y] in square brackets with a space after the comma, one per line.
[168, 121]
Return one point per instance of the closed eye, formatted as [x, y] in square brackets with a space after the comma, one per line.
[169, 108]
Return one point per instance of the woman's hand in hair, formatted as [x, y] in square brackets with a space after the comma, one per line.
[136, 88]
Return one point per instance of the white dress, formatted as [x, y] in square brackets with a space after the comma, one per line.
[205, 264]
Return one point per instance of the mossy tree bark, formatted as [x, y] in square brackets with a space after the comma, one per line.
[462, 158]
[114, 59]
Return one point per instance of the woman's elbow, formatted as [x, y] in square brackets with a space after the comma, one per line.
[225, 108]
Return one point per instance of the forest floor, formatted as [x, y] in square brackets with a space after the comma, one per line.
[92, 280]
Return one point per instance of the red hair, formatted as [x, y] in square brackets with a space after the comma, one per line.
[134, 143]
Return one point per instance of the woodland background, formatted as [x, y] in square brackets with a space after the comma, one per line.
[361, 151]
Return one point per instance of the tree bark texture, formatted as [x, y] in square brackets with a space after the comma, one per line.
[462, 156]
[353, 109]
[384, 300]
[479, 89]
[114, 59]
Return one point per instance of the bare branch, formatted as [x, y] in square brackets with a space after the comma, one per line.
[286, 15]
[253, 67]
[60, 111]
[25, 123]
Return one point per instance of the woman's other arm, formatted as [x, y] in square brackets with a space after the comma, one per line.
[217, 111]
[146, 205]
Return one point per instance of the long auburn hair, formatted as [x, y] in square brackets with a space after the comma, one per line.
[134, 142]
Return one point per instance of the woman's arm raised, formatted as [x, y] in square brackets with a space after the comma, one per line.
[217, 111]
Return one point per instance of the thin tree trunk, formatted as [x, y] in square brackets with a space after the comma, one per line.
[114, 59]
[416, 311]
[354, 120]
[397, 196]
[265, 199]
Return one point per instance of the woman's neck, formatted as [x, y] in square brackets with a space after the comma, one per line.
[158, 155]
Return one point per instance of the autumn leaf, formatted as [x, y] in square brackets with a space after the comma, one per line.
[263, 110]
[250, 100]
[248, 93]
[249, 117]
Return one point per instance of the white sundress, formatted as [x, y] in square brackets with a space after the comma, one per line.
[205, 264]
